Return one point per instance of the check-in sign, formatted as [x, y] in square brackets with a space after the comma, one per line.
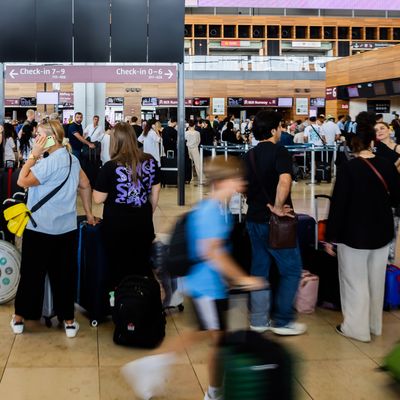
[93, 74]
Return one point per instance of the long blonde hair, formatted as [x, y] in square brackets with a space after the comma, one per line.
[124, 149]
[55, 128]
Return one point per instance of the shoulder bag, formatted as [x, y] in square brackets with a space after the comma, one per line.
[282, 230]
[18, 215]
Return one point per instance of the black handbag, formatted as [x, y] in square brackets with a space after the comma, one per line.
[282, 230]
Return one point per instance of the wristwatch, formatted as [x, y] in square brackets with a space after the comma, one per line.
[32, 157]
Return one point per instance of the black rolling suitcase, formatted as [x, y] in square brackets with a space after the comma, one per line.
[169, 169]
[323, 171]
[138, 313]
[253, 366]
[326, 267]
[93, 275]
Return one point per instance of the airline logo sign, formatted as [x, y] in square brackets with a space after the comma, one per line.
[90, 74]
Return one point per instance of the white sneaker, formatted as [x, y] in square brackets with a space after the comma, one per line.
[291, 329]
[207, 397]
[71, 330]
[17, 327]
[260, 329]
[147, 375]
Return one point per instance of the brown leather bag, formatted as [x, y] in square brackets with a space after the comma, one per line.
[282, 230]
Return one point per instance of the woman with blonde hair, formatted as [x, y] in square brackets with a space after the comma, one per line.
[129, 186]
[50, 245]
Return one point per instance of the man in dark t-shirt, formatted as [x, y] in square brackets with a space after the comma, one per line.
[269, 167]
[137, 128]
[76, 138]
[170, 136]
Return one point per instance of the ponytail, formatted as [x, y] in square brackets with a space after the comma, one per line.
[55, 128]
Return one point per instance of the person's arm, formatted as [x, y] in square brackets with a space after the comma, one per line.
[83, 140]
[215, 252]
[85, 191]
[26, 177]
[99, 197]
[305, 136]
[154, 196]
[282, 193]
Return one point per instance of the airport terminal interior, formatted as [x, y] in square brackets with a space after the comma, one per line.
[201, 77]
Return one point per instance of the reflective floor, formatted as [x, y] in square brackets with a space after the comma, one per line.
[43, 364]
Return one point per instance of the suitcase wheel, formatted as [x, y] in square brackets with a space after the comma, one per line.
[47, 321]
[94, 323]
[181, 307]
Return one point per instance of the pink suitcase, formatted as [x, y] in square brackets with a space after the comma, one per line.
[307, 294]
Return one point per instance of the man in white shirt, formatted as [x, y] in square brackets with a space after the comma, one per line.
[330, 130]
[94, 131]
[313, 134]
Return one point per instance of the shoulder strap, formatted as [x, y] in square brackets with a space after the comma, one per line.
[377, 173]
[322, 140]
[49, 196]
[252, 157]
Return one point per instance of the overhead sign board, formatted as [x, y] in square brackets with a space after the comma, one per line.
[93, 74]
[260, 102]
[316, 4]
[331, 93]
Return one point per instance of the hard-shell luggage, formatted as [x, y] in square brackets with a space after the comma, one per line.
[169, 170]
[91, 162]
[138, 314]
[392, 288]
[323, 171]
[10, 264]
[307, 294]
[253, 366]
[325, 267]
[171, 286]
[305, 232]
[391, 362]
[8, 179]
[93, 275]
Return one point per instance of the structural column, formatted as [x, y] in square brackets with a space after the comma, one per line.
[90, 100]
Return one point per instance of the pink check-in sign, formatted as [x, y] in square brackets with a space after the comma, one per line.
[90, 74]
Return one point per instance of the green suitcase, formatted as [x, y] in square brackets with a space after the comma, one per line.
[392, 362]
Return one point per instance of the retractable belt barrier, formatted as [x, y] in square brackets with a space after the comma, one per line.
[298, 148]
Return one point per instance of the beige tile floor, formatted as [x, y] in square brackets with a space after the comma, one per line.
[43, 364]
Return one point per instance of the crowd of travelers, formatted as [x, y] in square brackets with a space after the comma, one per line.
[360, 227]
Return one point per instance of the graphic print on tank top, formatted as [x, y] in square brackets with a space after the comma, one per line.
[135, 194]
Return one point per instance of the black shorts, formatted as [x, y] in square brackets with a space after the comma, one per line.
[210, 313]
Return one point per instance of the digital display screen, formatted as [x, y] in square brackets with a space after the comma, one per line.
[150, 101]
[321, 4]
[285, 102]
[353, 91]
[235, 101]
[396, 86]
[380, 89]
[47, 98]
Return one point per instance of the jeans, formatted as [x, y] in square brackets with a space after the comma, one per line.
[290, 266]
[77, 154]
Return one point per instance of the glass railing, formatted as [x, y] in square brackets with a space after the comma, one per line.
[256, 63]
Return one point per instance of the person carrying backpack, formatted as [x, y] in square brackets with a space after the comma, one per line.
[205, 282]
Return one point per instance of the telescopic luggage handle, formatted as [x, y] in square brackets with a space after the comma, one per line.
[316, 197]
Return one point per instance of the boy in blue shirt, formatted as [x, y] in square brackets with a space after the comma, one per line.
[206, 284]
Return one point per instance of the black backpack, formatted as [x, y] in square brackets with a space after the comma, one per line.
[178, 262]
[138, 314]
